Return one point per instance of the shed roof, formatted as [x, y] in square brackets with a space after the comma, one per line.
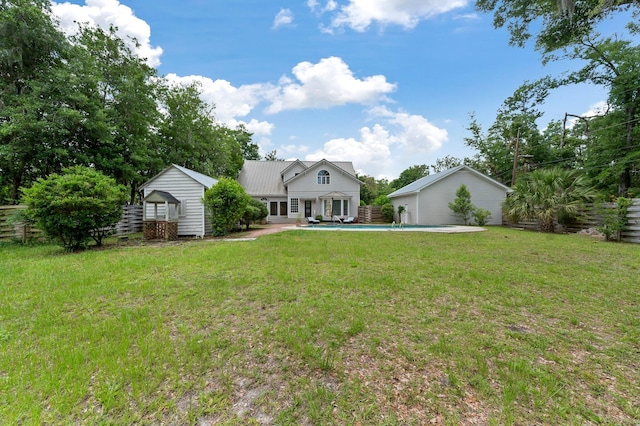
[206, 181]
[156, 197]
[429, 180]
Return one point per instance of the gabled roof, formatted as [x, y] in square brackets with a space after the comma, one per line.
[160, 197]
[335, 194]
[429, 180]
[344, 167]
[206, 181]
[264, 178]
[292, 164]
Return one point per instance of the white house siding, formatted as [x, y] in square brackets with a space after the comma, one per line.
[277, 218]
[307, 188]
[186, 190]
[409, 203]
[434, 200]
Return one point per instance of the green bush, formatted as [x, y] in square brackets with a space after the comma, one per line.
[614, 220]
[481, 216]
[387, 212]
[227, 202]
[381, 200]
[75, 206]
[254, 212]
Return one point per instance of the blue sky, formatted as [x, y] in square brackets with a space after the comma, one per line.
[386, 84]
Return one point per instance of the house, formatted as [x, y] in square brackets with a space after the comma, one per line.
[175, 195]
[426, 201]
[294, 190]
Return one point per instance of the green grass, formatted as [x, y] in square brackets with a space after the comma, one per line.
[497, 327]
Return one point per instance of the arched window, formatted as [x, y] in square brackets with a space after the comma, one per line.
[323, 177]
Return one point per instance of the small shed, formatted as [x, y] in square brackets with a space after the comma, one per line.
[160, 226]
[176, 194]
[426, 201]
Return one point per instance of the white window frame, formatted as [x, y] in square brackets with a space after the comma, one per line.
[324, 177]
[294, 205]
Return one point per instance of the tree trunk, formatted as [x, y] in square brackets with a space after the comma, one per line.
[547, 225]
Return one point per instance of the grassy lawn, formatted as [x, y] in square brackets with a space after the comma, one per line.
[299, 327]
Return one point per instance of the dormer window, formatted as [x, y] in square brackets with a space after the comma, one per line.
[323, 177]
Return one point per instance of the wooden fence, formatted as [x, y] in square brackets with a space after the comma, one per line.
[131, 223]
[370, 214]
[591, 217]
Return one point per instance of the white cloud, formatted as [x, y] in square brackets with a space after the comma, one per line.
[467, 17]
[328, 83]
[403, 139]
[230, 102]
[360, 14]
[416, 133]
[104, 13]
[371, 152]
[330, 6]
[284, 17]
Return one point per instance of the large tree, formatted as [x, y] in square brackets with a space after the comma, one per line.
[410, 175]
[569, 30]
[32, 106]
[558, 23]
[127, 88]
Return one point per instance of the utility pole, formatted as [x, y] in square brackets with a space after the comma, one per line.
[564, 125]
[515, 159]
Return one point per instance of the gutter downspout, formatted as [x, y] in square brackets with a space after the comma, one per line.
[417, 208]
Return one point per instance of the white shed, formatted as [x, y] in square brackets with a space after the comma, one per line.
[426, 201]
[188, 187]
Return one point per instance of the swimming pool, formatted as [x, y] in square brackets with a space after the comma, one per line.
[391, 228]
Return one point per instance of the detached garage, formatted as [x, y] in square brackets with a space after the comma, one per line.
[426, 201]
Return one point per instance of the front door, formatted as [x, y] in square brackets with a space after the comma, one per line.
[307, 208]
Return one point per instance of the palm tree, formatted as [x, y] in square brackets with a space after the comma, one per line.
[548, 195]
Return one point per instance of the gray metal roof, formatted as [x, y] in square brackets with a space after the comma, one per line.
[205, 180]
[264, 178]
[426, 181]
[158, 197]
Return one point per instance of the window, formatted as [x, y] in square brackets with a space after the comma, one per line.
[182, 208]
[323, 177]
[283, 208]
[294, 205]
[335, 208]
[273, 208]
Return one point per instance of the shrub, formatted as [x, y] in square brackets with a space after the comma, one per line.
[548, 195]
[462, 205]
[614, 220]
[227, 202]
[387, 212]
[481, 216]
[254, 212]
[75, 206]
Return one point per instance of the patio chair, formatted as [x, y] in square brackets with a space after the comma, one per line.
[350, 219]
[312, 220]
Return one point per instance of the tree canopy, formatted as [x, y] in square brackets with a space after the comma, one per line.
[87, 99]
[605, 146]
